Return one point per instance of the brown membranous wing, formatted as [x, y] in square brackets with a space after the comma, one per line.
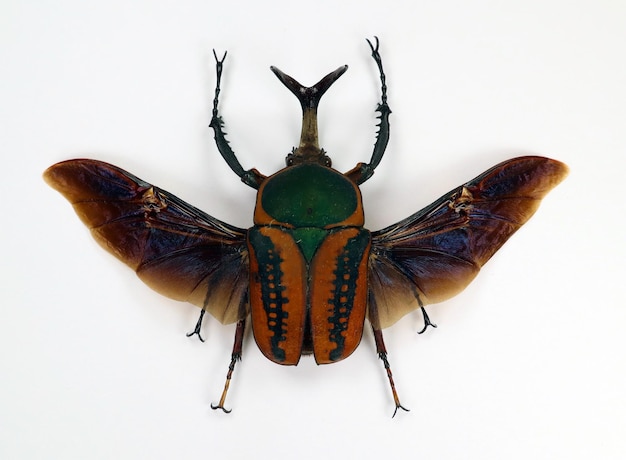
[175, 248]
[435, 253]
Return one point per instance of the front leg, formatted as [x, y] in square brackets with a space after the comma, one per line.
[363, 171]
[251, 177]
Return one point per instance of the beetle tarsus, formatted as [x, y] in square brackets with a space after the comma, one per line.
[233, 360]
[396, 399]
[226, 411]
[196, 330]
[219, 65]
[382, 354]
[379, 62]
[236, 356]
[427, 321]
[399, 406]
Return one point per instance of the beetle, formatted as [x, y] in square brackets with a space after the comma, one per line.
[307, 272]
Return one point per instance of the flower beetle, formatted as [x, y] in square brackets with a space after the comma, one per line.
[307, 273]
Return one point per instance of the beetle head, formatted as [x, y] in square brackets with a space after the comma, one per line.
[309, 150]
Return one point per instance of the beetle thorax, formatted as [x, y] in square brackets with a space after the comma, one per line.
[308, 195]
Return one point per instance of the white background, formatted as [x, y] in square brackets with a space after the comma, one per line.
[528, 362]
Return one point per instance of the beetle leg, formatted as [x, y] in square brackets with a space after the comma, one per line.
[427, 321]
[196, 330]
[251, 177]
[236, 356]
[382, 354]
[372, 310]
[364, 171]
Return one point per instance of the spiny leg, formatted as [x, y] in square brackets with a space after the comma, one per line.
[196, 330]
[363, 171]
[251, 177]
[382, 354]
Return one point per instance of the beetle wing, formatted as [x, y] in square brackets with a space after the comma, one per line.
[435, 253]
[338, 293]
[277, 294]
[175, 248]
